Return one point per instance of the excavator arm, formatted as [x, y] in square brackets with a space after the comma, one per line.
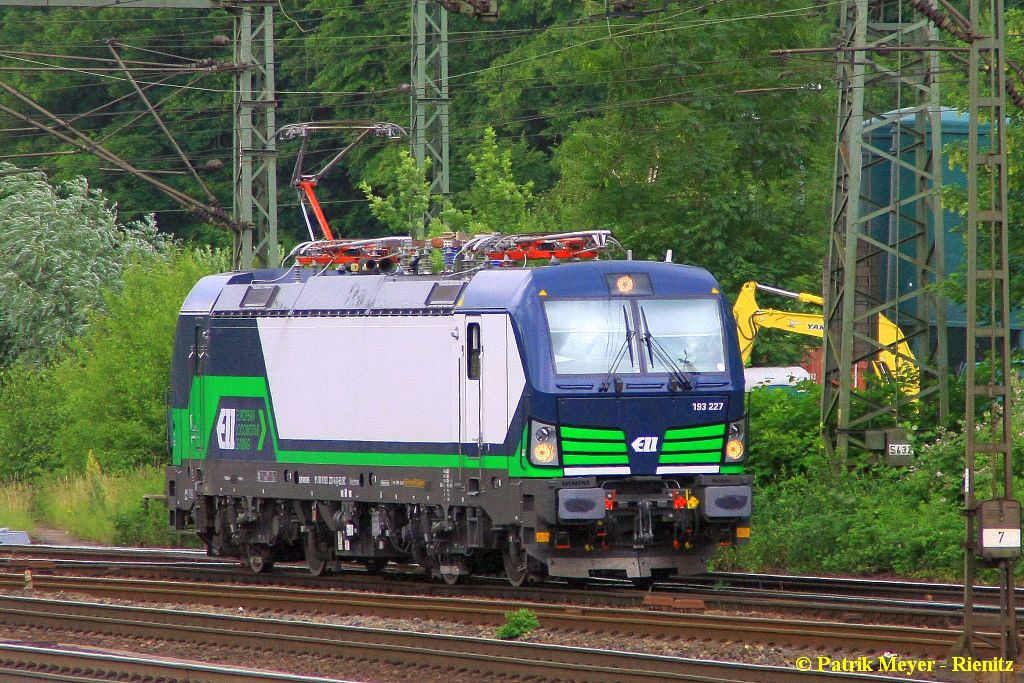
[750, 317]
[895, 359]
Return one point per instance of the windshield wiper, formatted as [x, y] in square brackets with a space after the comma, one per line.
[627, 343]
[654, 347]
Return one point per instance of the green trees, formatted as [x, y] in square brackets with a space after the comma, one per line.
[81, 78]
[85, 329]
[405, 194]
[639, 124]
[63, 245]
[493, 202]
[104, 392]
[115, 375]
[651, 134]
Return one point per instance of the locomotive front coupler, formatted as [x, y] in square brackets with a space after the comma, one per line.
[643, 525]
[650, 493]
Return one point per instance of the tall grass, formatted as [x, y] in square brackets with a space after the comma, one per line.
[16, 507]
[106, 508]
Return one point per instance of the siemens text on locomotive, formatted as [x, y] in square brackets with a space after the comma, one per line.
[572, 420]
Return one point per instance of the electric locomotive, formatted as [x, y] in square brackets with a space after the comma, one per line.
[570, 420]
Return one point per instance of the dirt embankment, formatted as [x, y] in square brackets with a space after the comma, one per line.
[47, 536]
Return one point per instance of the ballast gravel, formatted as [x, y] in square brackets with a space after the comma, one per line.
[334, 667]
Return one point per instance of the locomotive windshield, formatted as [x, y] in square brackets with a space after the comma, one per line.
[689, 331]
[591, 336]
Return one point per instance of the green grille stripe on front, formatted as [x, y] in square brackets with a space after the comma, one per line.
[689, 446]
[585, 446]
[732, 469]
[592, 447]
[592, 434]
[695, 432]
[594, 459]
[690, 458]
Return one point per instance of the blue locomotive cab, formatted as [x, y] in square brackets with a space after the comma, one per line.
[635, 442]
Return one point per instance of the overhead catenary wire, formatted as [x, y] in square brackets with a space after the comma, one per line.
[669, 97]
[170, 138]
[608, 106]
[214, 214]
[555, 81]
[628, 34]
[484, 35]
[404, 46]
[558, 79]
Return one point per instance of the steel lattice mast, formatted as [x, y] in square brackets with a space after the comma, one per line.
[429, 126]
[884, 256]
[429, 130]
[255, 147]
[993, 524]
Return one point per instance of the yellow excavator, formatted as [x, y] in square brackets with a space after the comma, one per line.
[750, 318]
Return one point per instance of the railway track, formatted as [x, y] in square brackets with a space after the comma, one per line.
[473, 657]
[860, 587]
[166, 558]
[22, 662]
[864, 638]
[856, 600]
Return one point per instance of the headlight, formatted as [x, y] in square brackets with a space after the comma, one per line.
[544, 453]
[736, 446]
[543, 445]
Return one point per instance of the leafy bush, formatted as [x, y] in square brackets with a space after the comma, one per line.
[32, 416]
[517, 623]
[865, 523]
[784, 434]
[141, 525]
[870, 518]
[104, 392]
[114, 377]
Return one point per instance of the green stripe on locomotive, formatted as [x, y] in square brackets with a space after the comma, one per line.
[215, 388]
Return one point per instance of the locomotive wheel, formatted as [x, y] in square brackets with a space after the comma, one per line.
[318, 566]
[318, 558]
[258, 557]
[375, 565]
[453, 579]
[455, 562]
[517, 569]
